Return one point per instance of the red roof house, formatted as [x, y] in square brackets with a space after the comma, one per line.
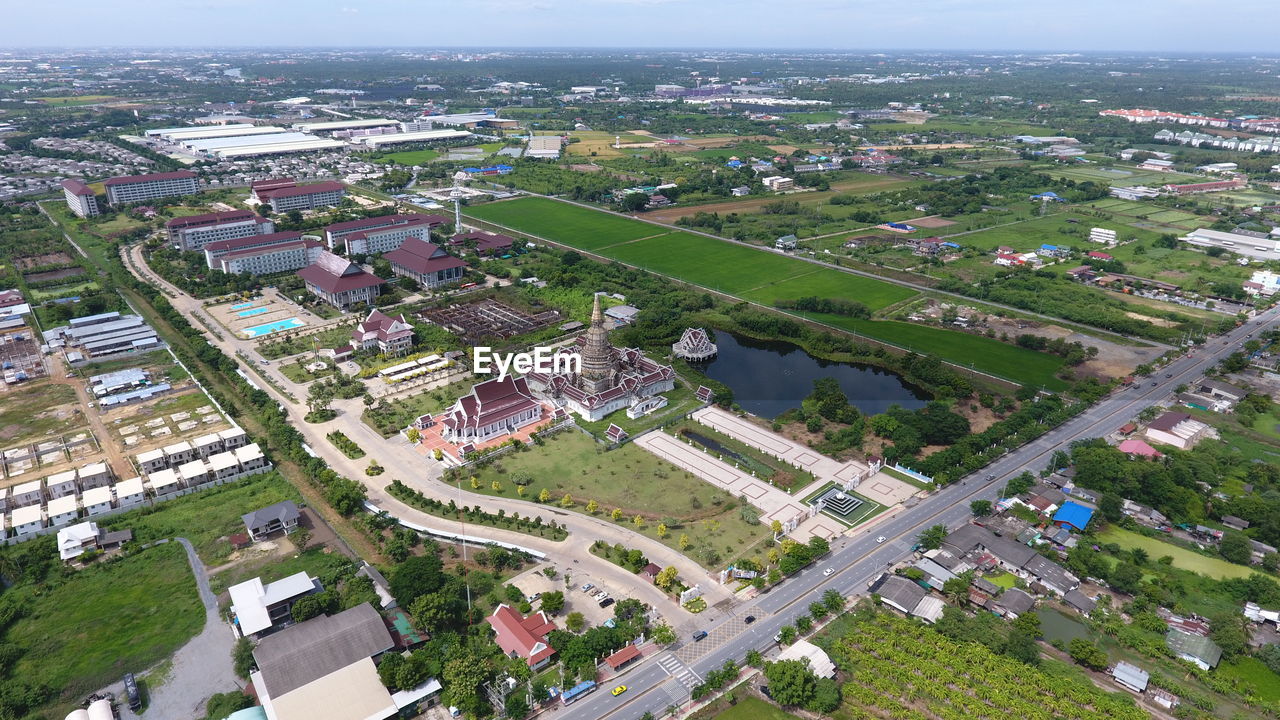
[523, 637]
[391, 336]
[1100, 255]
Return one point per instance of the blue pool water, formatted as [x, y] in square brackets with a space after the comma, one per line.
[277, 326]
[243, 305]
[251, 313]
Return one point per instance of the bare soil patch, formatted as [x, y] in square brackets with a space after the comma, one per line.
[53, 258]
[930, 222]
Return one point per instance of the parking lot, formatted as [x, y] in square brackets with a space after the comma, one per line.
[534, 582]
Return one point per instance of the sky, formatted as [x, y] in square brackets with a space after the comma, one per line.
[1061, 25]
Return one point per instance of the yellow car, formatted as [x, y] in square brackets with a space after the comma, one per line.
[619, 690]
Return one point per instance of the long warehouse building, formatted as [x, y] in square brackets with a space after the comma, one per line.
[327, 126]
[178, 135]
[375, 141]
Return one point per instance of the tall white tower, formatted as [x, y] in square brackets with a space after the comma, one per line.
[459, 179]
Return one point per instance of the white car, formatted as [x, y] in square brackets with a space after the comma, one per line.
[879, 539]
[828, 572]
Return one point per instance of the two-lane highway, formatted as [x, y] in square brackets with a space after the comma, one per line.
[666, 679]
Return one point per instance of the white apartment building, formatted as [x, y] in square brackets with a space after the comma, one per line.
[303, 197]
[381, 240]
[336, 233]
[137, 188]
[283, 257]
[80, 199]
[196, 231]
[214, 252]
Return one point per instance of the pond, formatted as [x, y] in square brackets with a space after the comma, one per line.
[1056, 626]
[769, 377]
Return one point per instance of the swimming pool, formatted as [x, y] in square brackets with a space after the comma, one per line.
[243, 305]
[277, 326]
[251, 313]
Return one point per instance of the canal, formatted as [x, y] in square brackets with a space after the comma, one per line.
[769, 377]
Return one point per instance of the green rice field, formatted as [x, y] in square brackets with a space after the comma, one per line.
[764, 276]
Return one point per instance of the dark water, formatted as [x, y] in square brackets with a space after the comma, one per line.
[770, 377]
[712, 445]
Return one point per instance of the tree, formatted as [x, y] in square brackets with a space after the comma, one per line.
[684, 541]
[634, 202]
[791, 682]
[515, 706]
[818, 546]
[464, 675]
[833, 600]
[242, 657]
[616, 514]
[1028, 623]
[575, 621]
[666, 577]
[663, 634]
[553, 602]
[309, 606]
[825, 698]
[1087, 654]
[544, 496]
[662, 530]
[1022, 647]
[592, 506]
[956, 589]
[932, 537]
[566, 501]
[1235, 548]
[980, 508]
[787, 634]
[224, 704]
[638, 521]
[1231, 633]
[1126, 578]
[776, 527]
[415, 577]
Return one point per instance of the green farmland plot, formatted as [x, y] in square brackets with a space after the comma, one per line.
[572, 225]
[764, 276]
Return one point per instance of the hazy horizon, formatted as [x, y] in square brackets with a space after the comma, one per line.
[997, 26]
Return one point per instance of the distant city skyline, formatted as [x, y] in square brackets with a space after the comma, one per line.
[1165, 26]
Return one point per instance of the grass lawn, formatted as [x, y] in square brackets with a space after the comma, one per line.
[632, 480]
[753, 708]
[1253, 673]
[38, 411]
[409, 157]
[562, 222]
[207, 517]
[400, 412]
[273, 348]
[1182, 558]
[106, 620]
[316, 560]
[1004, 580]
[297, 371]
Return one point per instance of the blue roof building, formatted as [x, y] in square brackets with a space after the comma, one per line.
[1050, 195]
[1073, 515]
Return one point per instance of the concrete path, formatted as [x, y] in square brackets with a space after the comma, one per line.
[200, 669]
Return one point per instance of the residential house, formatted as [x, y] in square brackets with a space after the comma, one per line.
[523, 637]
[1135, 447]
[1080, 602]
[1011, 603]
[1073, 515]
[280, 517]
[256, 607]
[1235, 523]
[907, 596]
[75, 540]
[96, 501]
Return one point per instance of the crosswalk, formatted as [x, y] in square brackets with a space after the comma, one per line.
[727, 630]
[687, 678]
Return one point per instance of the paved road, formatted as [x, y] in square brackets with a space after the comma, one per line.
[655, 686]
[200, 668]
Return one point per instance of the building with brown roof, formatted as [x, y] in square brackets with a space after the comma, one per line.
[485, 243]
[194, 232]
[1177, 429]
[493, 408]
[426, 263]
[336, 233]
[340, 282]
[80, 198]
[283, 198]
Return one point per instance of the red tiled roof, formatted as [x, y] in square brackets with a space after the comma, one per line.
[296, 190]
[129, 179]
[253, 241]
[333, 274]
[213, 218]
[490, 402]
[76, 187]
[623, 656]
[271, 184]
[289, 245]
[419, 256]
[380, 221]
[525, 637]
[484, 241]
